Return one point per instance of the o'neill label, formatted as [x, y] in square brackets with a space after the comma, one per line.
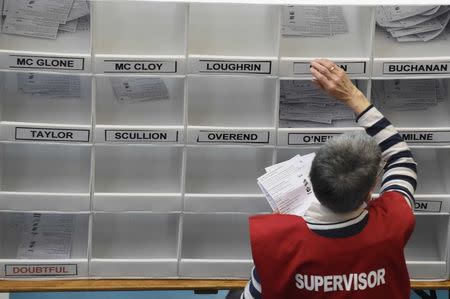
[238, 66]
[355, 68]
[309, 138]
[52, 134]
[40, 270]
[390, 68]
[427, 206]
[45, 62]
[233, 137]
[426, 136]
[141, 136]
[139, 66]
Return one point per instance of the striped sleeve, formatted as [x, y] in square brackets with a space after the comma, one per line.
[400, 170]
[253, 288]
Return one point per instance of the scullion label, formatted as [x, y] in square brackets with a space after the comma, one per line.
[227, 66]
[233, 137]
[45, 62]
[141, 136]
[41, 270]
[416, 68]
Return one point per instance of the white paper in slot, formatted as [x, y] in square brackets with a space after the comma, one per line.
[79, 9]
[131, 90]
[70, 26]
[49, 85]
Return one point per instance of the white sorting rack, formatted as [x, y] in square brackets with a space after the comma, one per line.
[164, 187]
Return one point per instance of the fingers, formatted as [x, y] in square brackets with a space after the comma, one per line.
[322, 80]
[323, 69]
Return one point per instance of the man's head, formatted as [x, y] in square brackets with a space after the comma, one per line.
[344, 171]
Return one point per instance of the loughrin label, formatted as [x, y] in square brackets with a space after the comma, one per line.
[238, 66]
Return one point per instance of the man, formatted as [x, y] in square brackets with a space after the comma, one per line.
[347, 245]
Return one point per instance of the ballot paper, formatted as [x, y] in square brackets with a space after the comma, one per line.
[49, 85]
[79, 9]
[287, 186]
[413, 23]
[46, 236]
[70, 26]
[134, 89]
[313, 20]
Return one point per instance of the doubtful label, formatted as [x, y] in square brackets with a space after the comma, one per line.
[40, 270]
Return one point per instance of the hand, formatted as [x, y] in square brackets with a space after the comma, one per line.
[335, 82]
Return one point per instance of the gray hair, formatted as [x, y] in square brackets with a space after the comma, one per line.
[344, 171]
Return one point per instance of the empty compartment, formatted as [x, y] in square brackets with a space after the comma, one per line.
[131, 100]
[427, 249]
[326, 31]
[433, 168]
[231, 101]
[131, 244]
[225, 170]
[226, 203]
[233, 29]
[28, 239]
[139, 27]
[413, 102]
[46, 98]
[215, 246]
[46, 27]
[304, 105]
[138, 169]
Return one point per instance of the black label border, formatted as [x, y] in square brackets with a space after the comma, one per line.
[54, 129]
[289, 135]
[212, 131]
[50, 275]
[424, 142]
[137, 72]
[108, 140]
[414, 73]
[48, 68]
[300, 62]
[226, 72]
[424, 211]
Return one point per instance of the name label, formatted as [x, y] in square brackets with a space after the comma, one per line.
[302, 68]
[426, 136]
[390, 68]
[239, 66]
[427, 206]
[41, 270]
[139, 66]
[141, 136]
[312, 138]
[40, 134]
[233, 137]
[45, 62]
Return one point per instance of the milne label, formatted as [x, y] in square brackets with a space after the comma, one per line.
[302, 68]
[390, 68]
[47, 134]
[233, 137]
[141, 136]
[45, 62]
[41, 270]
[426, 136]
[239, 66]
[139, 66]
[311, 138]
[427, 206]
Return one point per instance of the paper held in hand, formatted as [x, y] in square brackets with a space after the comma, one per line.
[287, 186]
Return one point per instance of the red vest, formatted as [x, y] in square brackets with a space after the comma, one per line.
[294, 262]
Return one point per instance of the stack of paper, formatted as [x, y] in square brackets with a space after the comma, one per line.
[46, 236]
[287, 186]
[409, 94]
[49, 85]
[302, 102]
[133, 89]
[44, 18]
[313, 20]
[413, 23]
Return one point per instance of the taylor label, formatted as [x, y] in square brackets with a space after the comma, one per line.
[141, 136]
[239, 66]
[47, 134]
[391, 68]
[427, 206]
[426, 136]
[311, 138]
[233, 137]
[41, 270]
[45, 62]
[355, 68]
[139, 66]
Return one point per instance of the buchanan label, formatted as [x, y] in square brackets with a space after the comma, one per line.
[359, 68]
[426, 136]
[312, 138]
[47, 134]
[41, 270]
[45, 62]
[416, 68]
[139, 66]
[233, 137]
[141, 136]
[239, 66]
[427, 206]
